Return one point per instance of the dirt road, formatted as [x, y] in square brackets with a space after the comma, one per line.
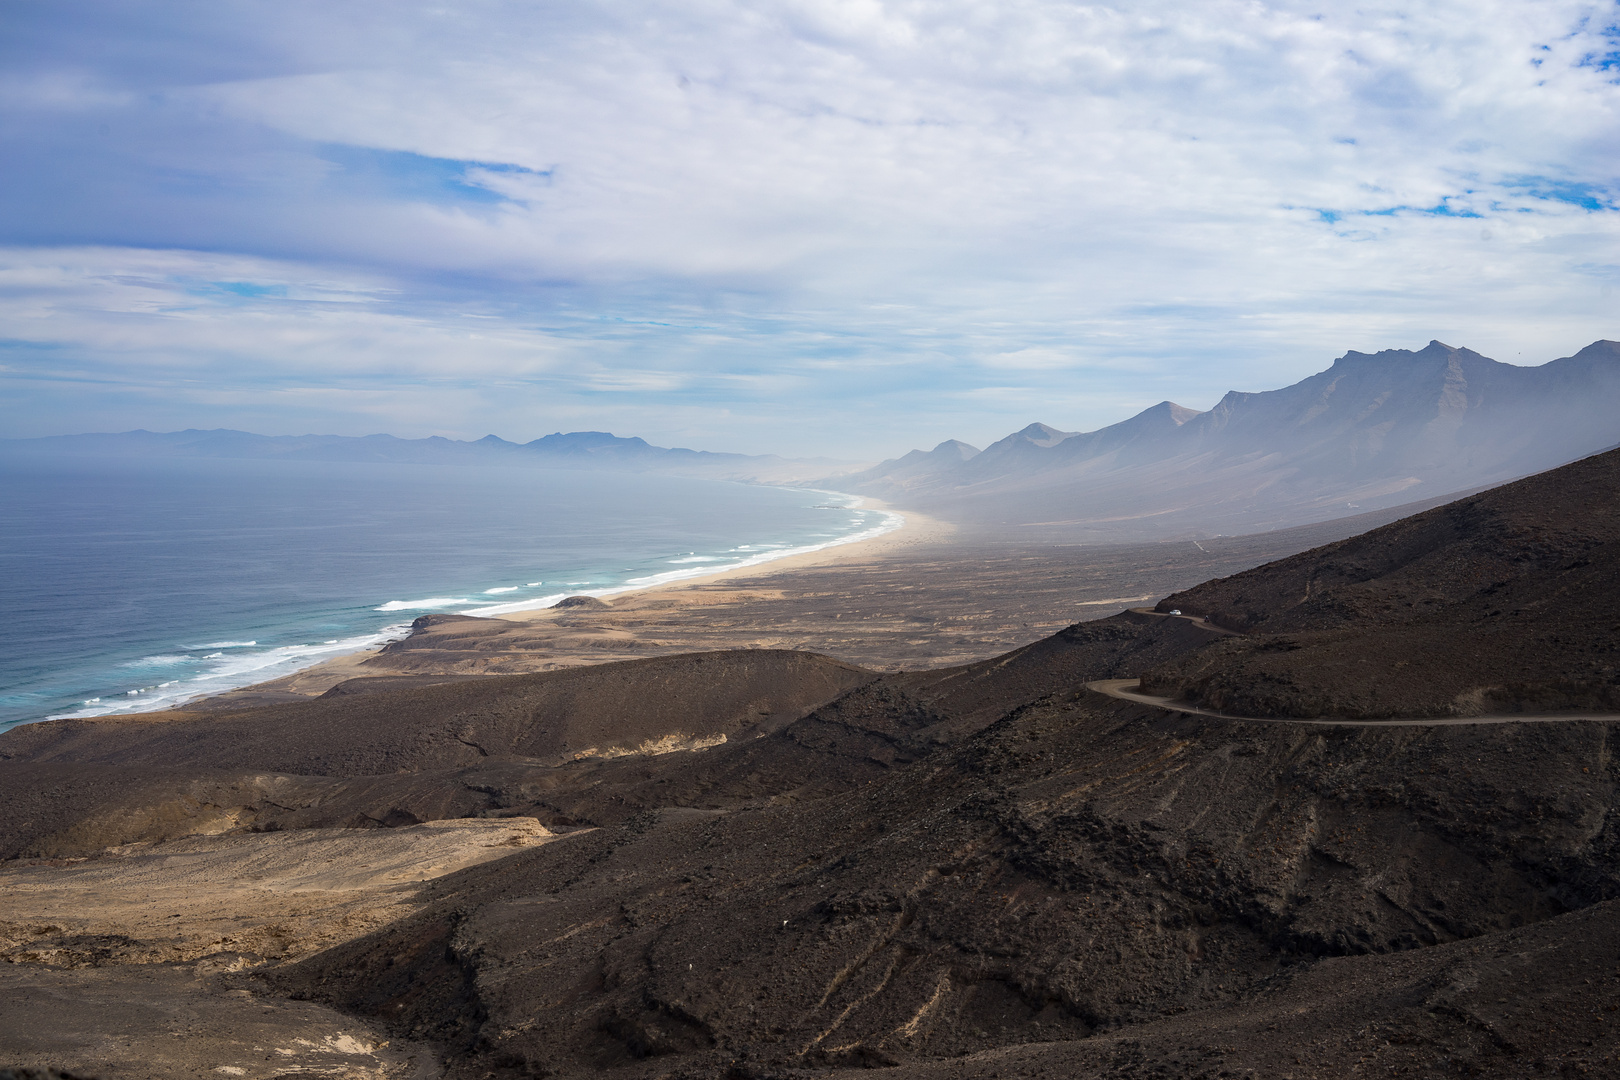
[1124, 689]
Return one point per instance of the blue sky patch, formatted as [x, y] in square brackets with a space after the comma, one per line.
[248, 289]
[1586, 196]
[1607, 59]
[417, 176]
[1443, 208]
[230, 291]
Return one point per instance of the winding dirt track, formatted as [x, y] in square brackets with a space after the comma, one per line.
[1203, 624]
[1117, 688]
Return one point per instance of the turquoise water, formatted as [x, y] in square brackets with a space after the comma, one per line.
[132, 585]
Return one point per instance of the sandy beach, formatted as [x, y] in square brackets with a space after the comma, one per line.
[926, 595]
[575, 644]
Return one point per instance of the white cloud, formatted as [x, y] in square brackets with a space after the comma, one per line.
[761, 210]
[1032, 359]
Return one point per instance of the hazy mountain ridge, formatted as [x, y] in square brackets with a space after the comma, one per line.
[575, 449]
[1373, 430]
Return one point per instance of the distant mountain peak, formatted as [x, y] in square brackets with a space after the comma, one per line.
[1436, 350]
[570, 450]
[588, 441]
[1602, 348]
[1042, 435]
[1374, 430]
[956, 448]
[1176, 414]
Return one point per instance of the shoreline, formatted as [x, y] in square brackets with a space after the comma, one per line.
[336, 665]
[927, 594]
[913, 530]
[804, 555]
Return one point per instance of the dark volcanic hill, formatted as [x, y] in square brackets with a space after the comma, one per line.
[567, 747]
[1504, 601]
[1078, 890]
[1373, 430]
[982, 871]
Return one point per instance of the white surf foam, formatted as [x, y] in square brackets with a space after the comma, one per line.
[746, 555]
[161, 661]
[421, 605]
[246, 663]
[523, 605]
[227, 671]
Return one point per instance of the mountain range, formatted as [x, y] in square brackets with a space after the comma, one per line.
[572, 450]
[1374, 430]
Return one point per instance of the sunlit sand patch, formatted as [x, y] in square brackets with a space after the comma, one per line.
[669, 744]
[237, 900]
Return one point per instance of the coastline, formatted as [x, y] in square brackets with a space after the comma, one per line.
[913, 524]
[238, 666]
[913, 530]
[925, 595]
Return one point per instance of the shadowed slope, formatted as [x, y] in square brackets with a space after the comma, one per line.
[1504, 600]
[75, 787]
[586, 746]
[1075, 868]
[551, 717]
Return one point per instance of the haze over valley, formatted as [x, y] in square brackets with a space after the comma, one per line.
[1370, 432]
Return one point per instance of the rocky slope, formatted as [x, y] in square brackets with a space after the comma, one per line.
[570, 747]
[1499, 602]
[1073, 870]
[397, 757]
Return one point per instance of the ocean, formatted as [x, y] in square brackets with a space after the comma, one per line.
[136, 584]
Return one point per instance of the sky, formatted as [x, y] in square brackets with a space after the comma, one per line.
[835, 227]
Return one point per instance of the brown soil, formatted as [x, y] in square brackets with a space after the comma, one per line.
[1076, 870]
